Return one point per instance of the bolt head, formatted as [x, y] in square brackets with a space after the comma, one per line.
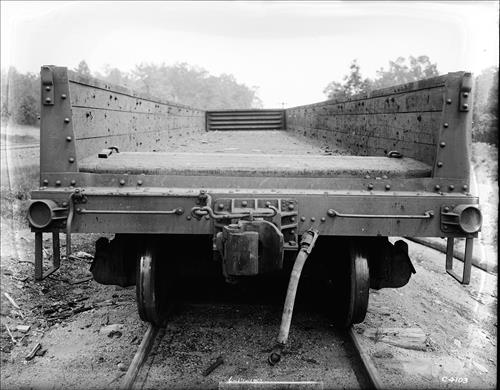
[445, 124]
[122, 182]
[446, 209]
[48, 100]
[387, 187]
[313, 219]
[58, 182]
[465, 106]
[323, 219]
[451, 187]
[445, 227]
[302, 219]
[48, 88]
[207, 217]
[292, 219]
[63, 96]
[440, 164]
[331, 213]
[188, 218]
[72, 182]
[64, 204]
[68, 139]
[139, 182]
[45, 182]
[292, 231]
[370, 186]
[465, 94]
[268, 204]
[465, 187]
[244, 203]
[442, 144]
[437, 187]
[291, 206]
[448, 101]
[71, 160]
[221, 206]
[66, 120]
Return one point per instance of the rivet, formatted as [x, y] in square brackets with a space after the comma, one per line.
[323, 219]
[465, 106]
[442, 144]
[207, 216]
[313, 219]
[71, 160]
[221, 206]
[451, 187]
[63, 96]
[48, 100]
[244, 203]
[446, 209]
[448, 101]
[45, 182]
[445, 124]
[370, 186]
[437, 187]
[188, 218]
[66, 120]
[72, 182]
[465, 94]
[331, 212]
[68, 138]
[58, 182]
[291, 206]
[465, 187]
[302, 219]
[139, 182]
[440, 164]
[387, 187]
[292, 219]
[47, 88]
[122, 182]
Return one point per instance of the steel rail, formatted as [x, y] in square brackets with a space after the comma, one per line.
[140, 357]
[370, 370]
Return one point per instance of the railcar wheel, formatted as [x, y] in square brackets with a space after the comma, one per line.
[153, 290]
[350, 283]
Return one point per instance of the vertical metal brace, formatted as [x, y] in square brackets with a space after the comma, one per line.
[47, 78]
[465, 91]
[56, 255]
[465, 279]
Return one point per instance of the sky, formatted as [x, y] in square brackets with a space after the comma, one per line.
[289, 50]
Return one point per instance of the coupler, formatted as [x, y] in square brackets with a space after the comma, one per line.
[306, 246]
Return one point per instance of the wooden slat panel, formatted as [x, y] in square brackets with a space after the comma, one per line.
[406, 119]
[245, 120]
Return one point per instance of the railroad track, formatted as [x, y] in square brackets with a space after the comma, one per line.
[366, 369]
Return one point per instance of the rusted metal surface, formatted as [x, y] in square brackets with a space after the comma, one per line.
[312, 205]
[245, 120]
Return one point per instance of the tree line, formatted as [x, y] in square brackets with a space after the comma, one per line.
[195, 86]
[405, 70]
[177, 83]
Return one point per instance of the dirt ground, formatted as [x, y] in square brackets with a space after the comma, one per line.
[90, 332]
